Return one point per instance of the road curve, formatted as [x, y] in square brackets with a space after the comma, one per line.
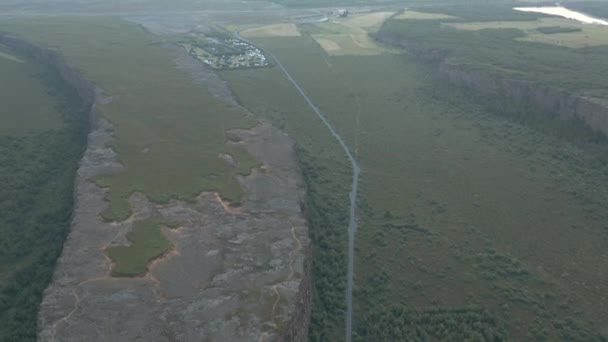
[352, 225]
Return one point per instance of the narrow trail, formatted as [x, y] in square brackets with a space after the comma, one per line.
[352, 226]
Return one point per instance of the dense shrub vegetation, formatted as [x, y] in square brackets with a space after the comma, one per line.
[424, 253]
[558, 29]
[435, 324]
[36, 197]
[327, 217]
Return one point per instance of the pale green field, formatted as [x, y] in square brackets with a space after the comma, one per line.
[168, 130]
[272, 30]
[369, 22]
[27, 108]
[350, 36]
[590, 35]
[349, 44]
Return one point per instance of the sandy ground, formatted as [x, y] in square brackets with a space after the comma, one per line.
[233, 274]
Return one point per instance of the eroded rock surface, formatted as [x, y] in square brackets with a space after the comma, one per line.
[233, 274]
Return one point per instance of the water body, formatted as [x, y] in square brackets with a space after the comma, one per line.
[565, 13]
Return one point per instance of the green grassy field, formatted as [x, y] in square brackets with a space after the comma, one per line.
[147, 243]
[43, 128]
[169, 131]
[459, 209]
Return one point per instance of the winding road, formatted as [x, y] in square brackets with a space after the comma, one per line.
[352, 225]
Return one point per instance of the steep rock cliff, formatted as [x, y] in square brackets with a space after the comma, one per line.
[557, 103]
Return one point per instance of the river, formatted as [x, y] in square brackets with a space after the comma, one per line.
[565, 13]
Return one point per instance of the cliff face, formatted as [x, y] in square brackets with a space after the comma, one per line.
[73, 77]
[296, 329]
[558, 103]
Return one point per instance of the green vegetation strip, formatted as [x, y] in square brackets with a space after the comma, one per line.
[558, 29]
[147, 244]
[43, 129]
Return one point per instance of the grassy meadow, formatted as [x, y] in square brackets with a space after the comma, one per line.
[43, 128]
[147, 243]
[472, 225]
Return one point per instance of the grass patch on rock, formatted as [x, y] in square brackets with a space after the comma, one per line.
[147, 243]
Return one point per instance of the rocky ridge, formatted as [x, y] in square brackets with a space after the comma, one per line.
[557, 103]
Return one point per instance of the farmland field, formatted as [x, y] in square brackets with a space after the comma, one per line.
[579, 35]
[275, 30]
[350, 36]
[462, 213]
